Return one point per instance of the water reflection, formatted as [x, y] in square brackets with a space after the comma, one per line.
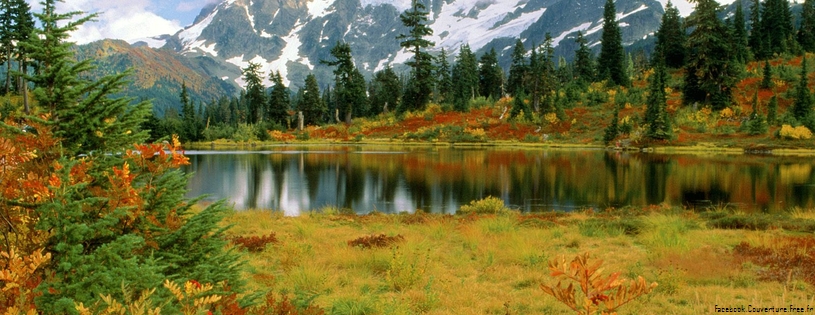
[295, 180]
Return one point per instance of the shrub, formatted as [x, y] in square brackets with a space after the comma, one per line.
[600, 294]
[403, 274]
[797, 133]
[489, 205]
[254, 244]
[372, 241]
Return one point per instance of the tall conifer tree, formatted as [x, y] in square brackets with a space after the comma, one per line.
[583, 61]
[806, 32]
[279, 100]
[756, 38]
[518, 70]
[421, 82]
[444, 82]
[465, 86]
[612, 55]
[490, 76]
[709, 74]
[310, 103]
[671, 38]
[255, 93]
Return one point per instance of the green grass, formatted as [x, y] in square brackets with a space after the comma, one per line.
[494, 264]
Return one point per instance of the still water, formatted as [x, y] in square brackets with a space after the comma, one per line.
[300, 179]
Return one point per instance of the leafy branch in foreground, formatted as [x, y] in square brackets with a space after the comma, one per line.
[601, 294]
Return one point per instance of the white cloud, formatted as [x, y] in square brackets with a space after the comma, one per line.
[120, 19]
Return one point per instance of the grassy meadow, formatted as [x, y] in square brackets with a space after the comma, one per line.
[494, 262]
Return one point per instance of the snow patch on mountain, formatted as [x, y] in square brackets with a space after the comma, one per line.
[686, 8]
[582, 27]
[400, 5]
[319, 8]
[456, 23]
[290, 52]
[193, 32]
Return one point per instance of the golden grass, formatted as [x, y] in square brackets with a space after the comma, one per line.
[494, 265]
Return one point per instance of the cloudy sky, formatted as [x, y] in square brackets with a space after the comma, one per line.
[130, 19]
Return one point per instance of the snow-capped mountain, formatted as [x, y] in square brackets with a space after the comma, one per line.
[292, 36]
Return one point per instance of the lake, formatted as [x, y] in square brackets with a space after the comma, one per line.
[298, 179]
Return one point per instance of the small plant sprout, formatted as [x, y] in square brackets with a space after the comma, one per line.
[601, 294]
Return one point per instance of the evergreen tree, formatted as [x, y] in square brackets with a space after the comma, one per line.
[739, 30]
[802, 107]
[421, 80]
[519, 106]
[444, 85]
[776, 23]
[116, 218]
[767, 80]
[255, 93]
[671, 38]
[190, 127]
[611, 53]
[756, 37]
[385, 89]
[310, 103]
[656, 115]
[613, 129]
[772, 111]
[279, 100]
[518, 70]
[465, 86]
[349, 93]
[757, 124]
[806, 32]
[546, 74]
[583, 61]
[490, 76]
[7, 38]
[709, 74]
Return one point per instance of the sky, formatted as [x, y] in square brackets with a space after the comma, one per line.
[130, 19]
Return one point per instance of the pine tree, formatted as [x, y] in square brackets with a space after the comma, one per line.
[710, 75]
[656, 115]
[740, 50]
[421, 82]
[613, 129]
[190, 126]
[756, 37]
[444, 82]
[757, 124]
[611, 53]
[348, 92]
[310, 103]
[115, 217]
[546, 73]
[490, 76]
[776, 23]
[772, 111]
[255, 93]
[806, 32]
[671, 38]
[465, 86]
[767, 80]
[583, 61]
[802, 107]
[279, 100]
[385, 89]
[518, 70]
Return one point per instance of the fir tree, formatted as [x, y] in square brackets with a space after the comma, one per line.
[7, 38]
[671, 38]
[740, 49]
[709, 74]
[756, 38]
[757, 124]
[255, 92]
[444, 82]
[583, 61]
[279, 100]
[490, 76]
[348, 91]
[613, 129]
[806, 32]
[190, 127]
[802, 107]
[310, 103]
[656, 114]
[776, 23]
[543, 73]
[767, 80]
[772, 111]
[421, 80]
[611, 53]
[518, 70]
[385, 90]
[465, 86]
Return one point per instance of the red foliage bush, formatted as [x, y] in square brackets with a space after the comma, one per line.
[372, 241]
[788, 258]
[254, 244]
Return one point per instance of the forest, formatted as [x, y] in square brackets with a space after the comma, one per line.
[741, 81]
